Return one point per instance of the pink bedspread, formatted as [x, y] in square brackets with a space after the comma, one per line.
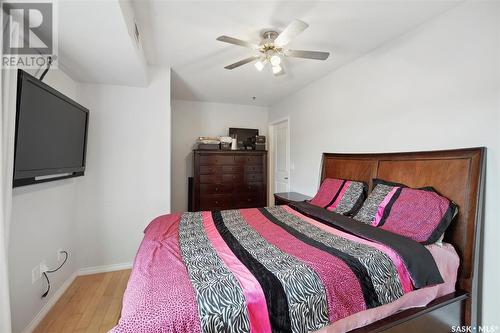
[160, 296]
[447, 261]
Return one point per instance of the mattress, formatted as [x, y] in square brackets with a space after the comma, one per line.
[276, 269]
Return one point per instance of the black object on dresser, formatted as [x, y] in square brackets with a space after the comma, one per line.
[285, 198]
[229, 179]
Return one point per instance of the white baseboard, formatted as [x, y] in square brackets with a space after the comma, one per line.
[104, 269]
[59, 292]
[50, 303]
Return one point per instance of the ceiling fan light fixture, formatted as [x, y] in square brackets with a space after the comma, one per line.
[260, 65]
[273, 47]
[275, 60]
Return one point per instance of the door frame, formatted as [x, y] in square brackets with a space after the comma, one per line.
[270, 176]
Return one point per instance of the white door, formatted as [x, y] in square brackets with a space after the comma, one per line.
[281, 157]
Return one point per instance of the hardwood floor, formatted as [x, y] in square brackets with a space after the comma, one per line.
[92, 303]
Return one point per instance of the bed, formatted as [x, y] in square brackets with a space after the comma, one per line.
[301, 268]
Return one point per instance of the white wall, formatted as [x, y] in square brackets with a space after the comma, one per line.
[98, 218]
[127, 177]
[193, 119]
[43, 221]
[435, 88]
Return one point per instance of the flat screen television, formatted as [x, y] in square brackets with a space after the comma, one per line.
[51, 133]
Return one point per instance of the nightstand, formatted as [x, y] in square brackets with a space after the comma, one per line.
[287, 197]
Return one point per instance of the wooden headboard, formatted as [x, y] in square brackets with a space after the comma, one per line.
[457, 174]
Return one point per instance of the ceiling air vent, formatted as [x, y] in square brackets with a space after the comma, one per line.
[137, 35]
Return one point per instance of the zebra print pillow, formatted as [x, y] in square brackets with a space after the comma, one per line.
[340, 196]
[420, 214]
[373, 208]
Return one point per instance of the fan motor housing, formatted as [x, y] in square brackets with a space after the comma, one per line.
[267, 43]
[270, 35]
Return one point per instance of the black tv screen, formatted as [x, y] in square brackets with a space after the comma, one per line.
[51, 133]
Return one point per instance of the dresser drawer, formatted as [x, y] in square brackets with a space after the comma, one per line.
[248, 200]
[215, 201]
[209, 169]
[249, 159]
[210, 179]
[253, 177]
[249, 187]
[216, 188]
[216, 159]
[232, 179]
[253, 168]
[232, 169]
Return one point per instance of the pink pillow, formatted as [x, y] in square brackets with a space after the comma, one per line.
[340, 196]
[420, 214]
[328, 189]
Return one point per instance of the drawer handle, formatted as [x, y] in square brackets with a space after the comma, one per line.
[249, 200]
[216, 202]
[216, 189]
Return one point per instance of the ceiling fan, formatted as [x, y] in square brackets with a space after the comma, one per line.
[272, 48]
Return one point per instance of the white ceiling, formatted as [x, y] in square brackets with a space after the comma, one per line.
[95, 45]
[96, 42]
[182, 34]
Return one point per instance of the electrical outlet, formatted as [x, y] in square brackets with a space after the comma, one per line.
[35, 274]
[43, 267]
[60, 255]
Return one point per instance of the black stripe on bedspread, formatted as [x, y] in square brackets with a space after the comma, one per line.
[417, 259]
[276, 301]
[369, 294]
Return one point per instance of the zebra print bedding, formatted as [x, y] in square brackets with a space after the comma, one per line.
[291, 268]
[340, 196]
[421, 214]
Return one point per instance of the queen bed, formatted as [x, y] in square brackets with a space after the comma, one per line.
[303, 267]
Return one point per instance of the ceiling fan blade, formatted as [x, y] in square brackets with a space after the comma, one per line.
[236, 41]
[241, 62]
[290, 32]
[307, 54]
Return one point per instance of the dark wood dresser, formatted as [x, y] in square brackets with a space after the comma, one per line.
[229, 179]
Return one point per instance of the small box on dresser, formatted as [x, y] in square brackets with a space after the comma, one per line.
[229, 179]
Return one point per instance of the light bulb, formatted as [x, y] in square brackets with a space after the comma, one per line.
[259, 65]
[275, 60]
[276, 69]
